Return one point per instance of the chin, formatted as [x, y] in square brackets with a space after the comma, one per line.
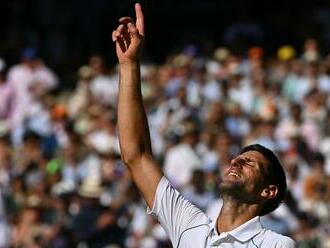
[230, 183]
[232, 187]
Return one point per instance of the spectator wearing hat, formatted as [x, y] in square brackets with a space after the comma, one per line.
[30, 79]
[94, 225]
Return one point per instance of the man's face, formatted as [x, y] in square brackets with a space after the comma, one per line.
[243, 179]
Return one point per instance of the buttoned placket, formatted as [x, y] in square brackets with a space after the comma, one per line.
[215, 239]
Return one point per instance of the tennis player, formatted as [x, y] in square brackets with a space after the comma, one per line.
[253, 185]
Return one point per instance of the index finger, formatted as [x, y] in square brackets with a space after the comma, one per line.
[139, 18]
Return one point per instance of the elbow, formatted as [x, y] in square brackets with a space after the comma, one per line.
[131, 159]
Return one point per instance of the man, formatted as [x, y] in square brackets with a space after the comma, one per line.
[30, 80]
[253, 184]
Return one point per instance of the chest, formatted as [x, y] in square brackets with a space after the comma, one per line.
[200, 238]
[195, 237]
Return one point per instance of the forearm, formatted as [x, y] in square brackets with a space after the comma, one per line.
[134, 137]
[132, 122]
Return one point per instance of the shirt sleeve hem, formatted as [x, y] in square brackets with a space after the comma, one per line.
[163, 183]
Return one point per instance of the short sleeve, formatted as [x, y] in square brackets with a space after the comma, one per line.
[175, 213]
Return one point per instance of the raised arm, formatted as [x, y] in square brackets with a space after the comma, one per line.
[134, 134]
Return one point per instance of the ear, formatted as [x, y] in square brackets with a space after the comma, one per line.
[270, 192]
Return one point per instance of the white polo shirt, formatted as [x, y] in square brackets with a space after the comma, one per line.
[187, 226]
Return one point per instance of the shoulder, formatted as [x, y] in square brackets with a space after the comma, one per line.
[169, 200]
[278, 240]
[177, 215]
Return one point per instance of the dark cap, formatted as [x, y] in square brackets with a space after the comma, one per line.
[30, 53]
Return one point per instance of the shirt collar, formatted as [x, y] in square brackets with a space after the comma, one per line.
[242, 233]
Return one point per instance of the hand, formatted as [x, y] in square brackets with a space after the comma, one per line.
[129, 37]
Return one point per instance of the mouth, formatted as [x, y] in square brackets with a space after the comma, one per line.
[233, 173]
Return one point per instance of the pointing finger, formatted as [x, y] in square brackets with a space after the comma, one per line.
[139, 18]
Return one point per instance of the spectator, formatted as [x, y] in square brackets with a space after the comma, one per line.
[182, 159]
[30, 79]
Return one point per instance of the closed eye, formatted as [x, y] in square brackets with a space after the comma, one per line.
[250, 163]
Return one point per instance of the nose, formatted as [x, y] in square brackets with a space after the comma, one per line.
[236, 162]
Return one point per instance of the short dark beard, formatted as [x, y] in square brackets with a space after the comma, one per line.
[237, 192]
[234, 189]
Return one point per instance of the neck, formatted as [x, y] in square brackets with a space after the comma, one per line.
[235, 213]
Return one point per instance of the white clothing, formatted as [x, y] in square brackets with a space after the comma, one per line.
[22, 79]
[180, 162]
[243, 95]
[105, 89]
[187, 226]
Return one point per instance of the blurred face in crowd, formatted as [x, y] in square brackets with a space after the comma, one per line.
[108, 168]
[164, 75]
[32, 63]
[244, 178]
[201, 75]
[30, 215]
[310, 45]
[223, 141]
[181, 95]
[97, 64]
[182, 71]
[297, 67]
[191, 138]
[296, 112]
[216, 113]
[4, 153]
[267, 129]
[70, 153]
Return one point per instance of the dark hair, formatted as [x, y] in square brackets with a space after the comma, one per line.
[274, 175]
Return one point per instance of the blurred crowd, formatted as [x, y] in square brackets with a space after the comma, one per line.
[62, 183]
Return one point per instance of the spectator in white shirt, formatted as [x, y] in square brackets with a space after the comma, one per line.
[182, 159]
[31, 78]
